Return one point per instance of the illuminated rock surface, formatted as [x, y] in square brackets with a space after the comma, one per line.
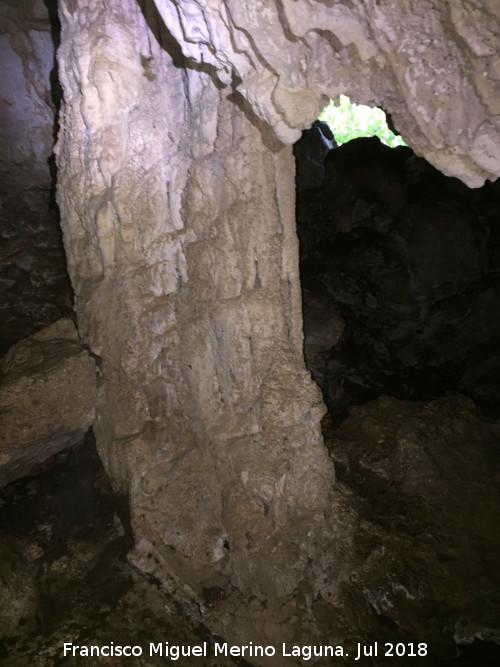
[183, 257]
[34, 285]
[434, 66]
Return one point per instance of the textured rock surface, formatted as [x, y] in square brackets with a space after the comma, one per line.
[435, 66]
[47, 396]
[34, 284]
[27, 121]
[177, 206]
[421, 480]
[183, 257]
[64, 576]
[310, 152]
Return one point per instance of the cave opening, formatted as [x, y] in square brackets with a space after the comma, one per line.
[348, 120]
[400, 274]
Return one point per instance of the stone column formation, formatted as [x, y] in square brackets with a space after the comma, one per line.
[177, 204]
[178, 217]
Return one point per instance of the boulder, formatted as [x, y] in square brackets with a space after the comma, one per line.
[47, 393]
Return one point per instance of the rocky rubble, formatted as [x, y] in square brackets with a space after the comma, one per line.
[64, 575]
[400, 277]
[419, 482]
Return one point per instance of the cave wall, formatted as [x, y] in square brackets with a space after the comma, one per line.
[26, 130]
[177, 202]
[34, 285]
[400, 276]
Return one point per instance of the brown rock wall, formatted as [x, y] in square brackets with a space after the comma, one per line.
[423, 477]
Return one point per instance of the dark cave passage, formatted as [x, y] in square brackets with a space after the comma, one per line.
[400, 270]
[400, 273]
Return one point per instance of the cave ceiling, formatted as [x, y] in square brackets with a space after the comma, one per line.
[435, 66]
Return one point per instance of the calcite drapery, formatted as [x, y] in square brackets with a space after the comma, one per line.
[435, 66]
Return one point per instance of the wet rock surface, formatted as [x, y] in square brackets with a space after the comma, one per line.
[47, 398]
[406, 261]
[64, 574]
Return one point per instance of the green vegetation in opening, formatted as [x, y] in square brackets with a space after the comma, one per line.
[349, 121]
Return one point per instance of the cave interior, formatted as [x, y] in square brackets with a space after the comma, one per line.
[400, 285]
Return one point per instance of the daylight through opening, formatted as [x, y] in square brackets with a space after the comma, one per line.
[399, 268]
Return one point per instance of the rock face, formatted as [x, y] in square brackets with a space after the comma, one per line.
[63, 567]
[34, 283]
[417, 61]
[310, 152]
[183, 257]
[47, 396]
[422, 480]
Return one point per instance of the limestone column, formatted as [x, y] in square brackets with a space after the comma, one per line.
[178, 214]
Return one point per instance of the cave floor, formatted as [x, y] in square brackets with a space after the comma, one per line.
[64, 575]
[422, 546]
